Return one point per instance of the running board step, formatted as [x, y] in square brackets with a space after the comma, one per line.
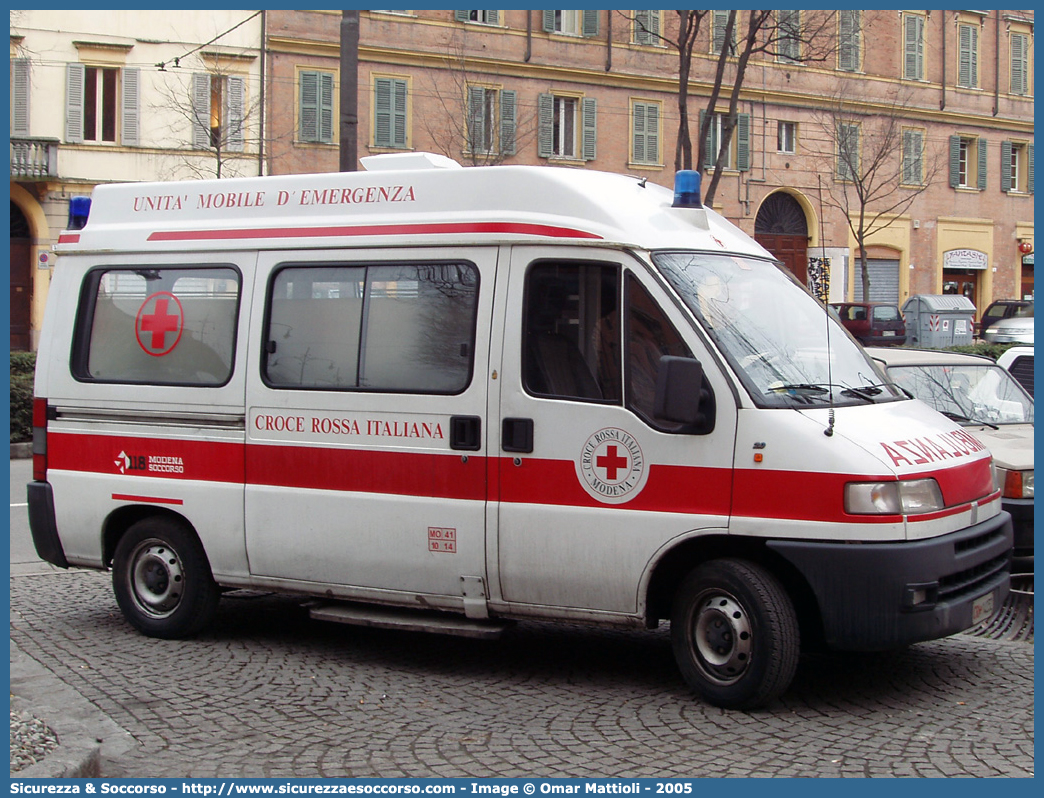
[409, 620]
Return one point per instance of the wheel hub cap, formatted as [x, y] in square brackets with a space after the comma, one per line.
[157, 578]
[722, 638]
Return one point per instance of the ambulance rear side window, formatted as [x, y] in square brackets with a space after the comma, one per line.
[158, 326]
[400, 328]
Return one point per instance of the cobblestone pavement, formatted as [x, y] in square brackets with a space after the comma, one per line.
[266, 692]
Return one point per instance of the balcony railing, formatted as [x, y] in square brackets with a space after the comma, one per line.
[34, 159]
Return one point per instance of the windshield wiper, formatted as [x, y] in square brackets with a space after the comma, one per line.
[967, 420]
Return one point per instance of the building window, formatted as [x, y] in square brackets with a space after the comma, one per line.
[566, 127]
[737, 154]
[968, 56]
[218, 118]
[19, 96]
[789, 46]
[647, 27]
[849, 40]
[913, 157]
[1020, 70]
[491, 120]
[786, 137]
[847, 151]
[483, 17]
[315, 107]
[389, 118]
[574, 23]
[967, 162]
[645, 133]
[913, 47]
[719, 25]
[101, 102]
[1016, 167]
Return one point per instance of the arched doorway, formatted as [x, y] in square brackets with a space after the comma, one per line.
[782, 229]
[21, 280]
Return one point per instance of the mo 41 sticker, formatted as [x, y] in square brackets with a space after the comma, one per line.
[612, 467]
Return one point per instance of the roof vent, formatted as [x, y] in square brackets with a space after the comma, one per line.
[400, 161]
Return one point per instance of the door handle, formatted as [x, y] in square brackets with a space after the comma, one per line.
[517, 435]
[465, 433]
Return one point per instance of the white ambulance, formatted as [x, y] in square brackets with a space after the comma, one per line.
[450, 398]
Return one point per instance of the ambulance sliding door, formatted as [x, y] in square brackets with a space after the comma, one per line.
[591, 485]
[366, 464]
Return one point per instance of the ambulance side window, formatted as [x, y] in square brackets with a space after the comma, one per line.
[571, 332]
[405, 328]
[649, 336]
[159, 326]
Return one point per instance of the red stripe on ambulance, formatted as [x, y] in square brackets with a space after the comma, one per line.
[462, 228]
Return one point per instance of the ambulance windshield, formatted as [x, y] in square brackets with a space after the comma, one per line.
[785, 347]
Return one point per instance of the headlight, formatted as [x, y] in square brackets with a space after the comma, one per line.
[908, 497]
[1016, 484]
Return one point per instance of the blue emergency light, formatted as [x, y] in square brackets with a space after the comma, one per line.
[79, 210]
[687, 189]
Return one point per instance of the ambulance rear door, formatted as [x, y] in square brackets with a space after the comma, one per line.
[590, 485]
[366, 446]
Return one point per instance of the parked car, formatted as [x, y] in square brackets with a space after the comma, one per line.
[1019, 361]
[872, 323]
[1013, 330]
[1003, 309]
[990, 403]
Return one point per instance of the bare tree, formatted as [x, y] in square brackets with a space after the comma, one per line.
[474, 121]
[879, 166]
[221, 119]
[794, 36]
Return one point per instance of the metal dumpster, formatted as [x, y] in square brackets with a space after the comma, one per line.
[937, 321]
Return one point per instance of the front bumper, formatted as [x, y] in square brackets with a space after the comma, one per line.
[1021, 511]
[879, 596]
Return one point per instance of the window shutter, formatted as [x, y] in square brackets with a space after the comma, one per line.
[708, 161]
[589, 112]
[508, 123]
[1019, 65]
[912, 144]
[968, 60]
[638, 133]
[549, 21]
[235, 121]
[1006, 166]
[75, 75]
[476, 117]
[201, 111]
[308, 107]
[1029, 169]
[589, 22]
[19, 96]
[718, 23]
[545, 125]
[461, 16]
[129, 106]
[652, 133]
[492, 17]
[848, 56]
[955, 161]
[913, 35]
[326, 120]
[981, 182]
[399, 129]
[646, 26]
[743, 142]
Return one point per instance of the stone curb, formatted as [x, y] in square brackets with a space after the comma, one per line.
[21, 451]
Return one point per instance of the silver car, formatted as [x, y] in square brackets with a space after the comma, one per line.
[1012, 330]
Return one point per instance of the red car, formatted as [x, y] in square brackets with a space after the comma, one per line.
[872, 323]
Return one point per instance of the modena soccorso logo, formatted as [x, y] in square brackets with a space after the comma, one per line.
[149, 464]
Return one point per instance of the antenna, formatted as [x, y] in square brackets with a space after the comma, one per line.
[829, 431]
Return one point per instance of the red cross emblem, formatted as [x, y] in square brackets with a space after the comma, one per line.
[611, 462]
[159, 324]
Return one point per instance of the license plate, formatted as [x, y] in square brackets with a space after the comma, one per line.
[889, 332]
[982, 608]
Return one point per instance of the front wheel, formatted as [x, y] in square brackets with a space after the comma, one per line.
[735, 634]
[162, 579]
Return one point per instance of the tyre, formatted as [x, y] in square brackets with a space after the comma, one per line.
[162, 579]
[735, 634]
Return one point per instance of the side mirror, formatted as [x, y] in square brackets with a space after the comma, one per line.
[683, 395]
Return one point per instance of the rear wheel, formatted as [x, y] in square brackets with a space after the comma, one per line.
[162, 579]
[735, 634]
